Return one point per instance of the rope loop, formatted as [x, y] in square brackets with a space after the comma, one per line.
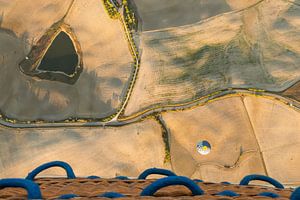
[159, 171]
[67, 196]
[226, 183]
[296, 194]
[268, 194]
[198, 180]
[228, 193]
[111, 195]
[247, 179]
[64, 165]
[122, 177]
[172, 180]
[93, 177]
[33, 190]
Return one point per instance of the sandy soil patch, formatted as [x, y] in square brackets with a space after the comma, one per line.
[105, 152]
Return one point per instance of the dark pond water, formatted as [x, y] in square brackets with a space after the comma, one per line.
[61, 55]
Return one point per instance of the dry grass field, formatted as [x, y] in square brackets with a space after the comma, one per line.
[106, 152]
[107, 62]
[257, 47]
[158, 14]
[247, 135]
[227, 72]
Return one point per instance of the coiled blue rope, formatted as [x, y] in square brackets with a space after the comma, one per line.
[68, 196]
[268, 194]
[172, 180]
[64, 165]
[247, 179]
[33, 190]
[111, 195]
[159, 171]
[296, 194]
[228, 193]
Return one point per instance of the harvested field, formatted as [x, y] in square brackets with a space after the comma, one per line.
[209, 89]
[101, 86]
[104, 151]
[247, 135]
[293, 92]
[253, 48]
[225, 125]
[158, 14]
[277, 129]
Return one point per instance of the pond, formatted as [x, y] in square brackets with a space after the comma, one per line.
[61, 56]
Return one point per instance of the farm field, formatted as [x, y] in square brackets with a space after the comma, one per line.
[207, 89]
[242, 49]
[100, 88]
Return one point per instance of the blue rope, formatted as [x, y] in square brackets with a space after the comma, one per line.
[93, 177]
[247, 179]
[111, 195]
[226, 183]
[33, 190]
[296, 194]
[45, 166]
[68, 196]
[197, 180]
[172, 180]
[156, 171]
[122, 177]
[228, 193]
[268, 194]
